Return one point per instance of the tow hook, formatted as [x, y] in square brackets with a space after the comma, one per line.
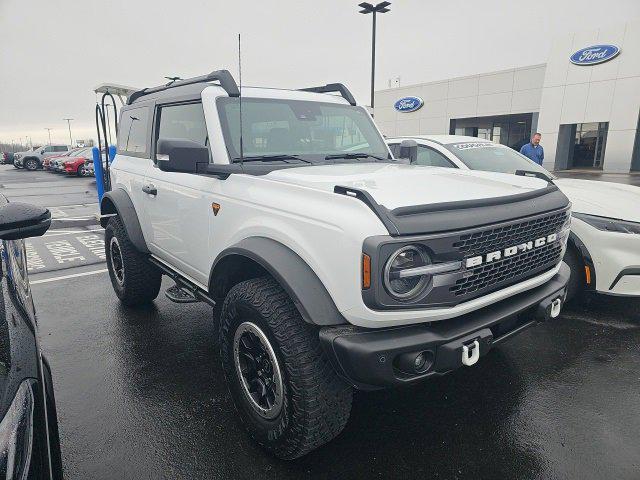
[474, 348]
[556, 306]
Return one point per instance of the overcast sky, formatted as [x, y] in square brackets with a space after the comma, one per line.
[53, 52]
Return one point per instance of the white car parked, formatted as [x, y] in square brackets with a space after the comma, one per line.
[604, 246]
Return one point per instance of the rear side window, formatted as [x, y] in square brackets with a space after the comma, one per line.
[133, 132]
[428, 156]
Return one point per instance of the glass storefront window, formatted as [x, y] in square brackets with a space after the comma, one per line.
[589, 144]
[510, 130]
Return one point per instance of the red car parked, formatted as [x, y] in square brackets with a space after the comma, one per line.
[74, 165]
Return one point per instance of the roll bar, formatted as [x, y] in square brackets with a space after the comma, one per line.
[333, 87]
[223, 76]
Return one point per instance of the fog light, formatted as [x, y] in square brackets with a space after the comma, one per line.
[419, 362]
[415, 363]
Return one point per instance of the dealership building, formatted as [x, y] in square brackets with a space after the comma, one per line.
[585, 101]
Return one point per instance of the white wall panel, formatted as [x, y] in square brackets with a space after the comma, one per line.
[463, 87]
[599, 100]
[495, 83]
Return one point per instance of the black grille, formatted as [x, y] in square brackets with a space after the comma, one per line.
[510, 269]
[508, 235]
[497, 274]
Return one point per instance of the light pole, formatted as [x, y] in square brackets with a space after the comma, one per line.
[368, 8]
[49, 131]
[69, 124]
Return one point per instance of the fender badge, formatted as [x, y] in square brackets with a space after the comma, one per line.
[216, 208]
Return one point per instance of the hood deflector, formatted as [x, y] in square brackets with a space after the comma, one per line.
[448, 216]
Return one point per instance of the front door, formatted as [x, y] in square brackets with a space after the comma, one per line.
[590, 141]
[180, 212]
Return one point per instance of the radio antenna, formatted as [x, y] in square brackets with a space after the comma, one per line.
[240, 98]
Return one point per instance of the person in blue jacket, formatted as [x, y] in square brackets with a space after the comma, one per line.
[533, 149]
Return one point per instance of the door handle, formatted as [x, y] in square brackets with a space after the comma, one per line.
[150, 188]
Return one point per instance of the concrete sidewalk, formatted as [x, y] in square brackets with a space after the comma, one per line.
[627, 178]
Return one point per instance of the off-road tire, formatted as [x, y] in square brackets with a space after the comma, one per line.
[577, 280]
[141, 280]
[316, 402]
[30, 164]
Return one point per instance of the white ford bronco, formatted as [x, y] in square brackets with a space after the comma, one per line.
[330, 264]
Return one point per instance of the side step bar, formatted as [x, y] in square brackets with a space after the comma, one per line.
[187, 288]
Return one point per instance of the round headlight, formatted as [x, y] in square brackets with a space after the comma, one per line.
[400, 278]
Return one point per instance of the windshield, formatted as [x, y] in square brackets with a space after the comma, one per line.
[491, 157]
[310, 130]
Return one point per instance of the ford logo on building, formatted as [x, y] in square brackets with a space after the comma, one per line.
[408, 104]
[594, 54]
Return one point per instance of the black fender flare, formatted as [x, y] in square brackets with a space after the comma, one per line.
[296, 277]
[582, 250]
[118, 201]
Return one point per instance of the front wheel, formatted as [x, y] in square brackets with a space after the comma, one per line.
[31, 164]
[80, 171]
[288, 396]
[134, 279]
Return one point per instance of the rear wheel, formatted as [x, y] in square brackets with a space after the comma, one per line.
[31, 164]
[134, 279]
[577, 280]
[288, 396]
[80, 171]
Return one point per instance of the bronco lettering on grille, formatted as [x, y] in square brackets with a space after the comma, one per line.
[510, 251]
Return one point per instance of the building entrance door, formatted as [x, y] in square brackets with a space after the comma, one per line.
[589, 145]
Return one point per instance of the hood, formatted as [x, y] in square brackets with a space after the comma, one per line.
[604, 199]
[402, 185]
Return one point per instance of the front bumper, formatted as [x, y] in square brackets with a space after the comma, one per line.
[377, 358]
[615, 257]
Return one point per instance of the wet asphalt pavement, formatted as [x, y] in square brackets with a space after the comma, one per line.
[141, 395]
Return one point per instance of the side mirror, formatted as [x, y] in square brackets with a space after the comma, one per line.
[42, 152]
[180, 155]
[409, 150]
[23, 220]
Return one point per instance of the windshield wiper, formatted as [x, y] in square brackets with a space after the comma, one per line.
[348, 155]
[269, 158]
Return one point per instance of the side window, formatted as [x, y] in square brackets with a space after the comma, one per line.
[60, 148]
[132, 134]
[428, 156]
[183, 122]
[48, 149]
[395, 149]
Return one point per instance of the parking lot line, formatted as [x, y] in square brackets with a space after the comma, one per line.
[64, 277]
[55, 233]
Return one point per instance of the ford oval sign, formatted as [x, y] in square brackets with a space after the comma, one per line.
[408, 104]
[594, 54]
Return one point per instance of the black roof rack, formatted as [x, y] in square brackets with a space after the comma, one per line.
[223, 76]
[333, 87]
